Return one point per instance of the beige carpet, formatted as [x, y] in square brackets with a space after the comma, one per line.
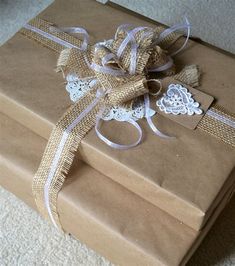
[27, 240]
[15, 13]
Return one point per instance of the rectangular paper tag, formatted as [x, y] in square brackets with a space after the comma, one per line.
[188, 121]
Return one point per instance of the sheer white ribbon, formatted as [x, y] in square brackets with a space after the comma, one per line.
[150, 121]
[168, 31]
[130, 39]
[116, 145]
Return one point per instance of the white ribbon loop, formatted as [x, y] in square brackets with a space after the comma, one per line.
[130, 39]
[116, 145]
[167, 32]
[106, 59]
[149, 119]
[77, 30]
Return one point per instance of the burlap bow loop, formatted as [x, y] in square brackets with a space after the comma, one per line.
[132, 48]
[127, 91]
[160, 61]
[114, 62]
[114, 76]
[72, 60]
[104, 57]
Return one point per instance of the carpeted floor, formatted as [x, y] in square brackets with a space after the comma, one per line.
[26, 239]
[15, 13]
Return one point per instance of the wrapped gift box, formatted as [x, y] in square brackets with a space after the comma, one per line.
[186, 177]
[109, 218]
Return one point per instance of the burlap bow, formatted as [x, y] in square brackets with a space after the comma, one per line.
[120, 78]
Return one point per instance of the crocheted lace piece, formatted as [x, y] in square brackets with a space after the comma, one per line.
[177, 100]
[78, 87]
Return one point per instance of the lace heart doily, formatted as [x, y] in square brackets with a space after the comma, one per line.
[78, 87]
[178, 100]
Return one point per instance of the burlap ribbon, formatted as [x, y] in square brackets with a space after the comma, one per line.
[121, 76]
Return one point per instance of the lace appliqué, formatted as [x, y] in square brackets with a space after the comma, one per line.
[78, 87]
[120, 113]
[177, 100]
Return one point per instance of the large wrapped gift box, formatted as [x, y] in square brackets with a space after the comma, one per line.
[109, 218]
[186, 177]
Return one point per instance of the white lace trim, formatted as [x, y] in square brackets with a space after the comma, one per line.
[78, 87]
[177, 100]
[119, 113]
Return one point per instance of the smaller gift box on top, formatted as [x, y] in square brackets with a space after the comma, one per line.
[187, 175]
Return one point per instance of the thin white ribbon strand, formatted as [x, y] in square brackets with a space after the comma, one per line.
[116, 145]
[62, 42]
[130, 39]
[107, 58]
[149, 119]
[75, 30]
[172, 29]
[163, 35]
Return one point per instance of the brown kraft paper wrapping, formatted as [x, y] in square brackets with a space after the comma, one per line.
[117, 223]
[186, 177]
